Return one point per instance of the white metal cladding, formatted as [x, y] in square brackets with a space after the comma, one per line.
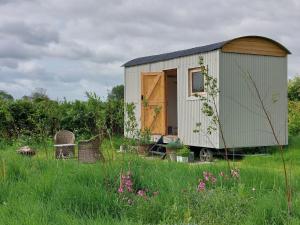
[244, 123]
[188, 109]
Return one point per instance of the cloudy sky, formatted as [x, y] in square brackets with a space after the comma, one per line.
[72, 46]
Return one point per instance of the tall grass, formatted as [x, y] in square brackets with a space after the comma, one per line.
[46, 191]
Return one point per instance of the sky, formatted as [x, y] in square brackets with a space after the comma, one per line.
[69, 47]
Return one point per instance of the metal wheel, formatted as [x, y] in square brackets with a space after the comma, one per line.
[206, 155]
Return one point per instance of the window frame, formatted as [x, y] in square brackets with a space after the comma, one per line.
[190, 82]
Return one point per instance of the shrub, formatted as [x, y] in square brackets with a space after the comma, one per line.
[294, 118]
[184, 152]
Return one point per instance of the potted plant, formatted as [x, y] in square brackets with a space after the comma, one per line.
[144, 142]
[171, 149]
[183, 154]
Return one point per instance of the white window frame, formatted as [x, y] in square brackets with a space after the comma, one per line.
[190, 84]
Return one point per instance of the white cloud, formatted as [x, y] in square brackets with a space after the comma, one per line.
[72, 46]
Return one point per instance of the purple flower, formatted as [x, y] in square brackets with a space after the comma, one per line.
[201, 186]
[126, 183]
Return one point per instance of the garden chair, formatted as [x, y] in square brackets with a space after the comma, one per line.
[64, 143]
[89, 150]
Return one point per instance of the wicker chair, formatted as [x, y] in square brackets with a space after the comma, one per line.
[63, 138]
[88, 150]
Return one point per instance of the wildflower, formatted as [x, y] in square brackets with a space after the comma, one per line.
[235, 173]
[126, 183]
[142, 193]
[120, 190]
[201, 186]
[253, 189]
[206, 175]
[130, 202]
[221, 174]
[213, 179]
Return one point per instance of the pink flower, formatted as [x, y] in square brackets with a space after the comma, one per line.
[126, 183]
[206, 175]
[142, 193]
[120, 190]
[201, 186]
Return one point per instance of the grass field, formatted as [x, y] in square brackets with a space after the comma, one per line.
[42, 190]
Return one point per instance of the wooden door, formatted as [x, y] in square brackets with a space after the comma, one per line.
[153, 102]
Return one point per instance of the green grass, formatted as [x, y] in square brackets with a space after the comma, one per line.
[43, 190]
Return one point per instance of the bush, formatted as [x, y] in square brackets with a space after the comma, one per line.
[294, 89]
[294, 118]
[184, 152]
[42, 117]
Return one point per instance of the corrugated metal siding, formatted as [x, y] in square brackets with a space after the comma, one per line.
[189, 111]
[244, 122]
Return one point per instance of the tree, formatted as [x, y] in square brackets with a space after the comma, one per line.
[294, 88]
[39, 94]
[5, 96]
[117, 93]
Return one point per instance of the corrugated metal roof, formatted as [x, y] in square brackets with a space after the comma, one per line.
[187, 52]
[173, 55]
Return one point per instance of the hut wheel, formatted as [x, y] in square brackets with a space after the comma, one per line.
[206, 155]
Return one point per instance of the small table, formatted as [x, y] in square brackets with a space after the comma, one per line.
[64, 151]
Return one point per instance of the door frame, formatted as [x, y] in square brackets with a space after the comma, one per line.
[167, 96]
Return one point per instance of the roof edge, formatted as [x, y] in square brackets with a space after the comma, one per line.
[192, 51]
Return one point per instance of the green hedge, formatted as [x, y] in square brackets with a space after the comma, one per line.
[44, 117]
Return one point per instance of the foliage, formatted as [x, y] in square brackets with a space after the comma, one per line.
[117, 93]
[40, 117]
[130, 126]
[294, 89]
[184, 151]
[58, 195]
[5, 96]
[39, 94]
[294, 118]
[145, 137]
[208, 107]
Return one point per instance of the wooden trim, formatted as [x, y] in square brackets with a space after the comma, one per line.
[254, 46]
[190, 92]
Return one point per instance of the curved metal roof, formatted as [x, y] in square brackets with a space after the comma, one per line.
[191, 51]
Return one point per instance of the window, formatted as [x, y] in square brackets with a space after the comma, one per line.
[196, 82]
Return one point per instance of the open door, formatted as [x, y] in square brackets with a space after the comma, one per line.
[153, 102]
